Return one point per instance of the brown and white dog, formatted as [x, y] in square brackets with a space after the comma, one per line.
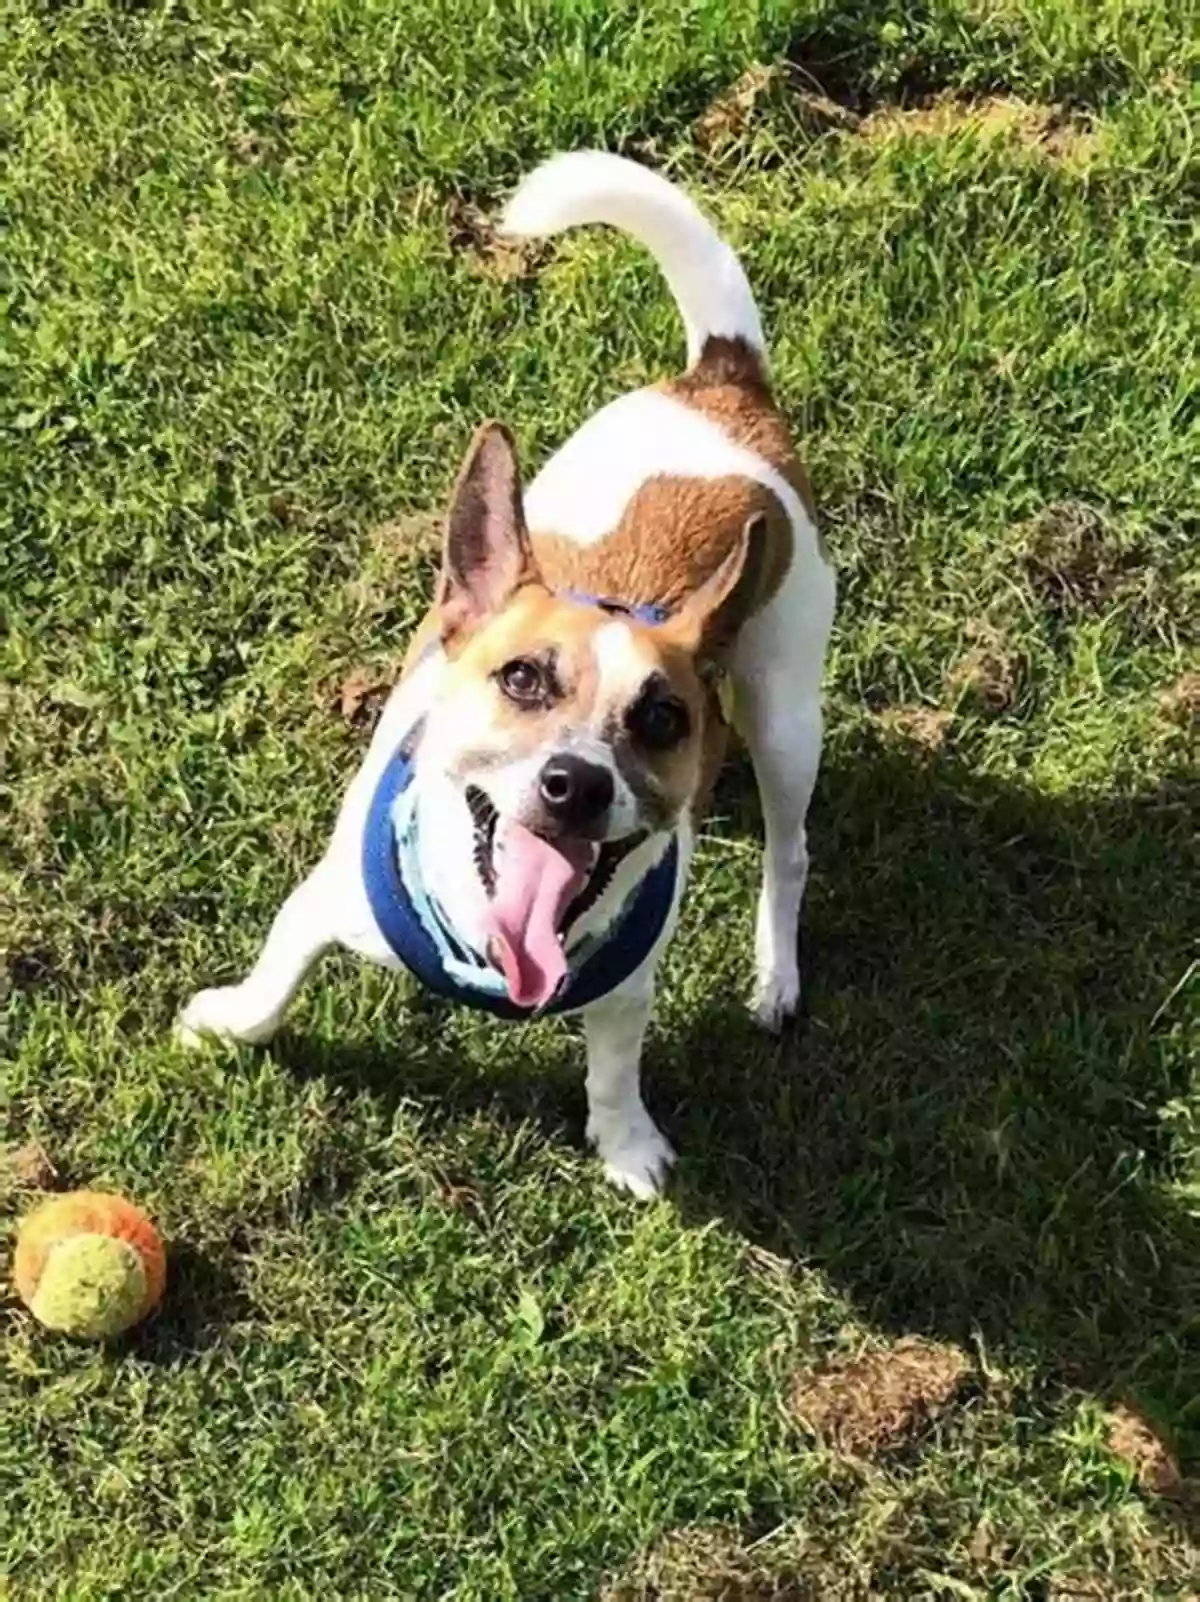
[559, 744]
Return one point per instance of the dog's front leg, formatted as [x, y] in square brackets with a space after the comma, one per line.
[635, 1155]
[252, 1011]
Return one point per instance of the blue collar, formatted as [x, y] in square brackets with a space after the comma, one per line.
[419, 934]
[640, 611]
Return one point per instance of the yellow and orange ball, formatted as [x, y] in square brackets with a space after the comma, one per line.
[89, 1264]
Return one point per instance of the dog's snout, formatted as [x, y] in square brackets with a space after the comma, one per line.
[576, 793]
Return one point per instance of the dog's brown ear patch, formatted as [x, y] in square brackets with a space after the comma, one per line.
[487, 556]
[711, 615]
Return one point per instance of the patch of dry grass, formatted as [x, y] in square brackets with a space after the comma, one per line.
[988, 673]
[1047, 131]
[1140, 1444]
[878, 1399]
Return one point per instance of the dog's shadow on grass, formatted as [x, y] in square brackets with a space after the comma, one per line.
[204, 1297]
[970, 1128]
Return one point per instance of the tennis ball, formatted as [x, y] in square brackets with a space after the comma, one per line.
[89, 1264]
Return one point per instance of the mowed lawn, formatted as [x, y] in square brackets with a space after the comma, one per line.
[413, 1347]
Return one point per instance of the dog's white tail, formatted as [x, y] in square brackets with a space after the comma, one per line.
[704, 275]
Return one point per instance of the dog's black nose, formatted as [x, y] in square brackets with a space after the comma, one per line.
[576, 793]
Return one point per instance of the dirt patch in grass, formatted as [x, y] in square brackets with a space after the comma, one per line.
[1137, 1442]
[472, 233]
[251, 147]
[1048, 130]
[387, 597]
[713, 1565]
[820, 106]
[988, 672]
[733, 112]
[1073, 559]
[412, 537]
[402, 559]
[876, 1400]
[1180, 702]
[28, 1167]
[358, 698]
[925, 727]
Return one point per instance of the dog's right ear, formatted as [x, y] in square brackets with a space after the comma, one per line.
[487, 556]
[710, 616]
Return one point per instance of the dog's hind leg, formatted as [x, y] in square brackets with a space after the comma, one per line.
[253, 1010]
[777, 687]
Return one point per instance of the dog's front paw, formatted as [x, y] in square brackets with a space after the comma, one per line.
[223, 1014]
[776, 1000]
[636, 1156]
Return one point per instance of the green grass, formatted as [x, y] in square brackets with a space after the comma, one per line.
[412, 1346]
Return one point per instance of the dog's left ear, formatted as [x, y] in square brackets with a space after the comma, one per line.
[710, 617]
[487, 556]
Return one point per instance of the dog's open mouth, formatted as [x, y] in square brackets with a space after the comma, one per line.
[538, 889]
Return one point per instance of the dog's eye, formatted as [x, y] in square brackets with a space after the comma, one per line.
[658, 721]
[522, 680]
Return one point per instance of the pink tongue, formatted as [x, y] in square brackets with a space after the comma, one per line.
[535, 881]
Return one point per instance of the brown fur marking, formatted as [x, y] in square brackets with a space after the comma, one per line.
[676, 531]
[729, 386]
[726, 363]
[674, 534]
